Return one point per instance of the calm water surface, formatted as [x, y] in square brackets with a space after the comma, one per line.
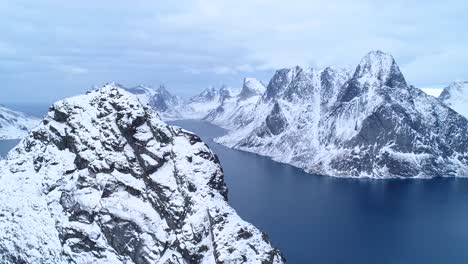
[325, 220]
[6, 145]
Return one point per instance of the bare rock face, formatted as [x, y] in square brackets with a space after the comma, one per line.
[103, 180]
[367, 124]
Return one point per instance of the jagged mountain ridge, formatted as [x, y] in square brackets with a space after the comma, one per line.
[456, 97]
[103, 180]
[172, 107]
[367, 124]
[15, 125]
[237, 110]
[169, 107]
[208, 100]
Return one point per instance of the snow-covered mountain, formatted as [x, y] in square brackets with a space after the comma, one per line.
[103, 180]
[456, 96]
[370, 123]
[237, 110]
[208, 100]
[15, 125]
[169, 107]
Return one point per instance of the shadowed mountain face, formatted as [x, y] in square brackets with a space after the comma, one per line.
[103, 180]
[369, 123]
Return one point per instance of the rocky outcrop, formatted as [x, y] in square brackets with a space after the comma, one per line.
[103, 180]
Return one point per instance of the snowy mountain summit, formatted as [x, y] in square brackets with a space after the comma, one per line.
[15, 125]
[369, 123]
[251, 87]
[168, 106]
[456, 96]
[208, 100]
[103, 180]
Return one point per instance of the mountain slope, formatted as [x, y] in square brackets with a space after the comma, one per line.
[103, 180]
[456, 96]
[237, 110]
[208, 100]
[169, 107]
[369, 124]
[15, 125]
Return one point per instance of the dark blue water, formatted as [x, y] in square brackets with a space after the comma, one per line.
[325, 220]
[6, 145]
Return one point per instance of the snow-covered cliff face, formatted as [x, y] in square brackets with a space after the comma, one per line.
[456, 96]
[103, 180]
[169, 107]
[236, 111]
[366, 124]
[15, 125]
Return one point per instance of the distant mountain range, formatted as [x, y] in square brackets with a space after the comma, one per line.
[456, 96]
[15, 125]
[362, 122]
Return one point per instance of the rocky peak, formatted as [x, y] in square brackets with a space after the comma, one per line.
[280, 82]
[251, 87]
[209, 94]
[332, 80]
[161, 99]
[139, 89]
[304, 85]
[380, 66]
[377, 71]
[455, 88]
[224, 93]
[103, 180]
[456, 96]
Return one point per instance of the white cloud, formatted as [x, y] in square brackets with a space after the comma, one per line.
[72, 69]
[195, 43]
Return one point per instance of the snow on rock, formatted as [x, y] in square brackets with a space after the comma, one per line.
[456, 97]
[367, 124]
[169, 107]
[251, 87]
[103, 180]
[208, 100]
[236, 111]
[15, 125]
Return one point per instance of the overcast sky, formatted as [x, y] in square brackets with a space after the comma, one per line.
[50, 49]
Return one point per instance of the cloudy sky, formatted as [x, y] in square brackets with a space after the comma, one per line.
[50, 49]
